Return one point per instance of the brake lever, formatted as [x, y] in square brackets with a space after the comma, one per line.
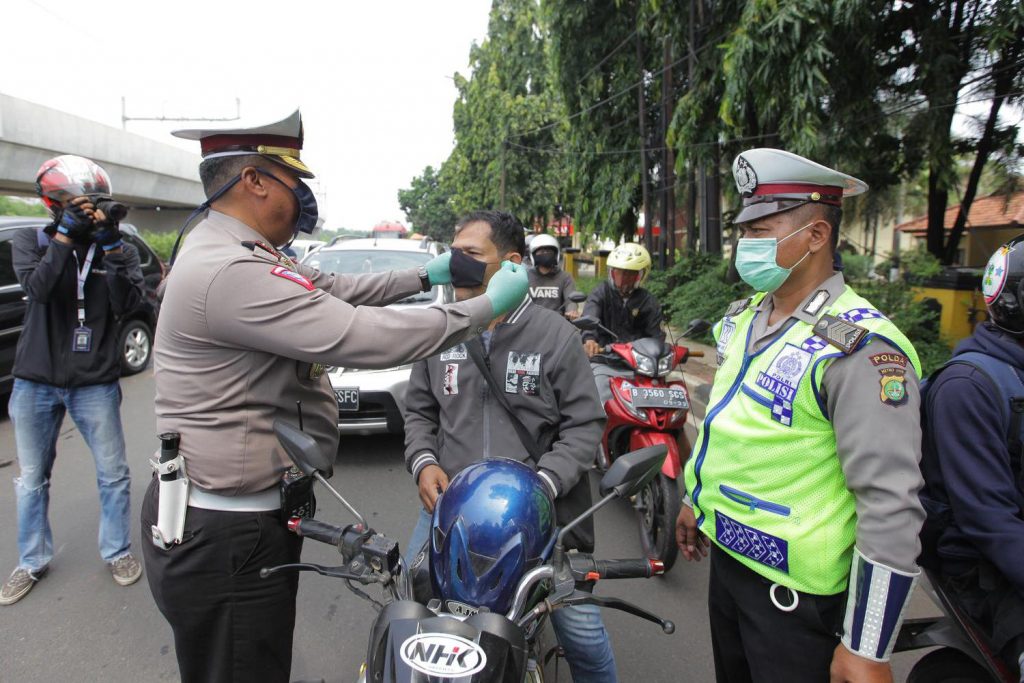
[333, 572]
[581, 598]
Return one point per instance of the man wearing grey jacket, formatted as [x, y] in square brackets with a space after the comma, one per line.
[452, 420]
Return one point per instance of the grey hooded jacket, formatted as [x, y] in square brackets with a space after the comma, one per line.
[537, 357]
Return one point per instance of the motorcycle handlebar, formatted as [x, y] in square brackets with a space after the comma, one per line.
[348, 540]
[586, 568]
[316, 530]
[695, 354]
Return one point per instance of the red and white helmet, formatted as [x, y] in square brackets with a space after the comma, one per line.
[68, 176]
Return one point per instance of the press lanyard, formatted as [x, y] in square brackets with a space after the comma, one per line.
[83, 273]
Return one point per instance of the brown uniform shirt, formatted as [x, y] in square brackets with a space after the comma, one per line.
[237, 335]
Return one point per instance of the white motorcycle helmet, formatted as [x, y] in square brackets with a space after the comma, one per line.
[545, 242]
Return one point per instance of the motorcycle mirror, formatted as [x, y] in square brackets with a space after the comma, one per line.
[697, 326]
[634, 470]
[587, 322]
[303, 449]
[577, 297]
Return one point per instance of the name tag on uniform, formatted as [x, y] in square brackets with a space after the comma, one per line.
[81, 340]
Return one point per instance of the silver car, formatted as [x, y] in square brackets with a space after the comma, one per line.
[373, 401]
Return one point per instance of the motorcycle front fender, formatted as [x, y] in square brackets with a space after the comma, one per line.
[642, 438]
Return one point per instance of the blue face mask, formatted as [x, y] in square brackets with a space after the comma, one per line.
[756, 264]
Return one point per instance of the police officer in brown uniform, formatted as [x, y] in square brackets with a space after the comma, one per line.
[244, 334]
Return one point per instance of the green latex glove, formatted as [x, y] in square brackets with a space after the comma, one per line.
[438, 269]
[508, 287]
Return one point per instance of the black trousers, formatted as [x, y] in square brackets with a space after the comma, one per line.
[228, 623]
[753, 640]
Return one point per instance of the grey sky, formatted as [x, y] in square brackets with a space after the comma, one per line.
[373, 79]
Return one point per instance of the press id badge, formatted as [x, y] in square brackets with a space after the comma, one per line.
[81, 342]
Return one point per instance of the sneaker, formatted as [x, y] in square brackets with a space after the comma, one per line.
[18, 584]
[126, 570]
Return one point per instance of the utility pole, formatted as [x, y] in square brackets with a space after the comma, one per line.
[641, 105]
[668, 222]
[692, 169]
[501, 184]
[125, 118]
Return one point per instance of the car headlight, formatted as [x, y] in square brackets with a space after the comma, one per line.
[644, 364]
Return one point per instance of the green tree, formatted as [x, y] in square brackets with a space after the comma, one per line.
[17, 206]
[602, 57]
[503, 108]
[428, 206]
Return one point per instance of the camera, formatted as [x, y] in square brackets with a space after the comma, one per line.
[115, 211]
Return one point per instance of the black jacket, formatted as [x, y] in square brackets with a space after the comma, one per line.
[47, 271]
[967, 463]
[637, 317]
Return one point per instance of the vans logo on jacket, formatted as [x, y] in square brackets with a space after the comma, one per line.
[545, 292]
[521, 373]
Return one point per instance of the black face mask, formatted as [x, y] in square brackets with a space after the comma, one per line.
[466, 270]
[545, 257]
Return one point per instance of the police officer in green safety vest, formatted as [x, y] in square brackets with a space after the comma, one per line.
[804, 476]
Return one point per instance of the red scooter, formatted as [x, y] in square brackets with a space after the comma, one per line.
[647, 410]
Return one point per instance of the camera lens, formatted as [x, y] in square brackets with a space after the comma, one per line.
[115, 211]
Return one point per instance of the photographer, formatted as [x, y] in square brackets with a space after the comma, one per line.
[78, 279]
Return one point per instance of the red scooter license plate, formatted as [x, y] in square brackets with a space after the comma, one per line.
[659, 397]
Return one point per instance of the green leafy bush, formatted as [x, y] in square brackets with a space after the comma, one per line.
[702, 292]
[586, 283]
[161, 242]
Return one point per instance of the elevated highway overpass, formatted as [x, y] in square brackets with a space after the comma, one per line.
[160, 182]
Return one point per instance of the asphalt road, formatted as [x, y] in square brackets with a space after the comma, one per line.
[78, 624]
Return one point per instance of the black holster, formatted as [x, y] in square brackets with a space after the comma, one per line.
[297, 498]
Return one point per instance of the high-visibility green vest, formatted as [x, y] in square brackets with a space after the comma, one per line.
[764, 476]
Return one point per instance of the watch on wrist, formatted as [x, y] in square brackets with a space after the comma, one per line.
[424, 278]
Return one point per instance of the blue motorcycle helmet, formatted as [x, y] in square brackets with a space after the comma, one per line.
[492, 525]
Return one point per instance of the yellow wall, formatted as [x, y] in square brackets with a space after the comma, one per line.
[961, 311]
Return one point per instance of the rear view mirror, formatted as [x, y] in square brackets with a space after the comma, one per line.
[587, 322]
[696, 327]
[634, 470]
[577, 297]
[303, 449]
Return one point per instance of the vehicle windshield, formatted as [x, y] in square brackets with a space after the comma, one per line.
[354, 262]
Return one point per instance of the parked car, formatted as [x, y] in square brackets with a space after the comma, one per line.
[136, 338]
[373, 401]
[303, 248]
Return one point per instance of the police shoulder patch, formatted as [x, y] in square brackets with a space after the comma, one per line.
[845, 336]
[894, 386]
[297, 278]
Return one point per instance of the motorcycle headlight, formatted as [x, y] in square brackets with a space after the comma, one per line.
[644, 364]
[665, 364]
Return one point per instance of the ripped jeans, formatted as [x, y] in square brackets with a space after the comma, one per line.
[37, 412]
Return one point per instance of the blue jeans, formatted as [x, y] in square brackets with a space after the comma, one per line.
[580, 630]
[37, 411]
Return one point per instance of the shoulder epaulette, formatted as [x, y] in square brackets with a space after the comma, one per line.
[263, 251]
[843, 335]
[738, 306]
